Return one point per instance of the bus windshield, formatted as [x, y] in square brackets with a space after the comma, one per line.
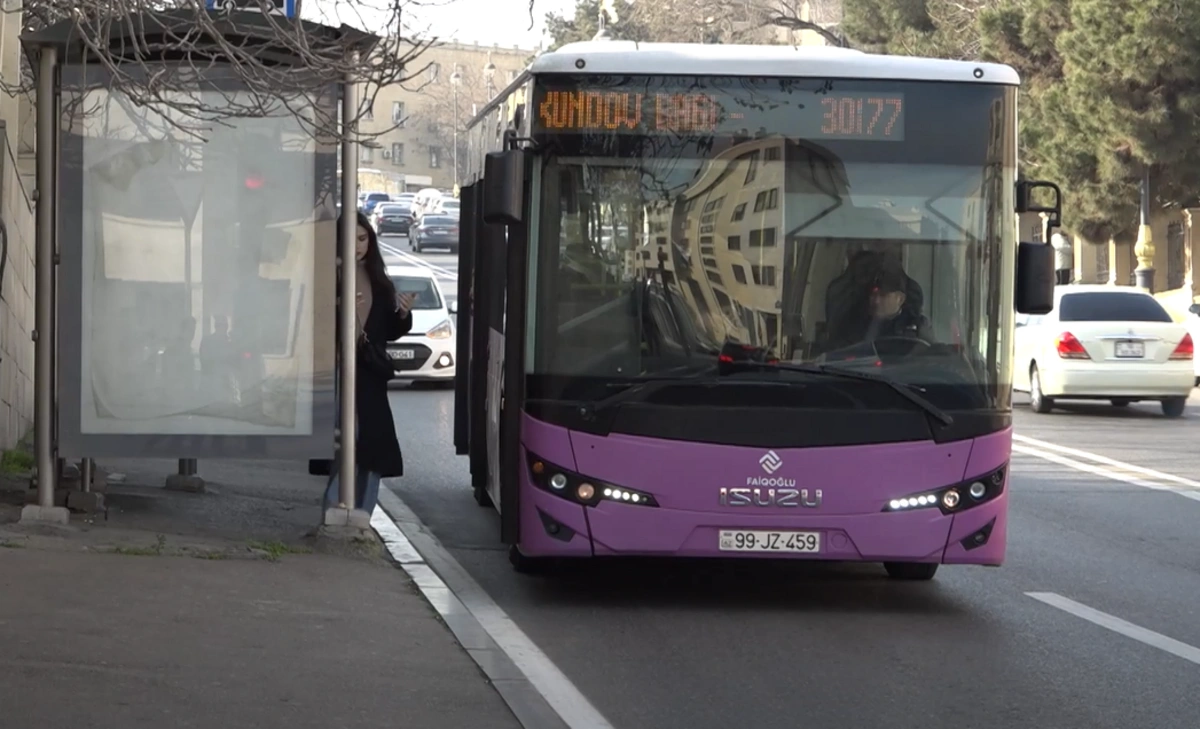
[863, 223]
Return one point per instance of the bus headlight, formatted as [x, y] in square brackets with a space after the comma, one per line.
[957, 497]
[579, 489]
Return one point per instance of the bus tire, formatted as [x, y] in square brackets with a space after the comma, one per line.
[525, 565]
[911, 570]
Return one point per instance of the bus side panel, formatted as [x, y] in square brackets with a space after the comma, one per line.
[462, 345]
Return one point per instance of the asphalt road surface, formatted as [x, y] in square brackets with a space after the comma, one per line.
[1093, 622]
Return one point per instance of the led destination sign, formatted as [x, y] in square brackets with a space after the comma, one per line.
[870, 116]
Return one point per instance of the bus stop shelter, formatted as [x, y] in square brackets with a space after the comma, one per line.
[186, 255]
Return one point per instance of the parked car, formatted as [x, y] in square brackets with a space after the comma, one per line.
[428, 352]
[391, 218]
[372, 199]
[1112, 343]
[435, 231]
[1192, 322]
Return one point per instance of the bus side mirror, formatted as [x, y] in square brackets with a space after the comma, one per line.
[1035, 278]
[504, 187]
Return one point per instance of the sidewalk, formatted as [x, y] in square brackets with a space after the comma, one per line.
[216, 611]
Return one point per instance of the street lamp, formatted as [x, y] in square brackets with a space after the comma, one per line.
[489, 71]
[1144, 247]
[455, 82]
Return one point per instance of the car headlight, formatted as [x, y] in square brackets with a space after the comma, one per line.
[443, 330]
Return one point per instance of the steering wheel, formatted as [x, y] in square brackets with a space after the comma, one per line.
[908, 345]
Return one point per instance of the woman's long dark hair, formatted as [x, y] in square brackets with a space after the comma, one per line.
[376, 270]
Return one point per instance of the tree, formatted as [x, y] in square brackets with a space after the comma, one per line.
[584, 25]
[446, 108]
[698, 21]
[125, 38]
[934, 28]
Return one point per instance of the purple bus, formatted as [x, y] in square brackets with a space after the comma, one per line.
[748, 302]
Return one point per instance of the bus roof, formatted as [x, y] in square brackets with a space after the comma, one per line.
[631, 57]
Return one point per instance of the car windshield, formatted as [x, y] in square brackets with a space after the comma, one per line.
[426, 296]
[1110, 306]
[874, 231]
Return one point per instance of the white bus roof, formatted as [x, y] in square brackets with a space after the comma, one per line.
[630, 57]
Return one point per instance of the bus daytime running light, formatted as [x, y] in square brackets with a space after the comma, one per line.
[912, 502]
[580, 489]
[628, 496]
[950, 499]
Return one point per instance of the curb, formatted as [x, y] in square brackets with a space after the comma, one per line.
[426, 561]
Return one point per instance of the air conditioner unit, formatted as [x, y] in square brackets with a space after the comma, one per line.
[387, 154]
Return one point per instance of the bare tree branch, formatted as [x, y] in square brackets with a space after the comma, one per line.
[284, 65]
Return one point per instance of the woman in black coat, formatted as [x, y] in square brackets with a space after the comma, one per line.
[382, 316]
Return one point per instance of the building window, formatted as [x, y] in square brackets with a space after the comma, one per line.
[369, 111]
[435, 157]
[739, 212]
[763, 275]
[762, 238]
[734, 242]
[766, 200]
[434, 70]
[398, 113]
[397, 153]
[739, 274]
[366, 154]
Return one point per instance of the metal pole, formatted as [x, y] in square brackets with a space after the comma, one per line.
[456, 137]
[86, 473]
[349, 262]
[43, 368]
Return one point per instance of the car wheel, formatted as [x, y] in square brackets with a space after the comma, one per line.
[1038, 402]
[1173, 407]
[912, 571]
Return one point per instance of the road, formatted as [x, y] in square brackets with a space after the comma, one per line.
[810, 646]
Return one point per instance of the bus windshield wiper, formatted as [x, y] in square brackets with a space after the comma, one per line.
[644, 388]
[908, 392]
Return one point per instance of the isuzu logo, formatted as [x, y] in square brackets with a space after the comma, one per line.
[770, 462]
[779, 497]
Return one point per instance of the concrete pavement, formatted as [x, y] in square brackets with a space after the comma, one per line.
[219, 610]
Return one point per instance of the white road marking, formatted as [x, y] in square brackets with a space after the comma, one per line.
[417, 260]
[451, 588]
[1107, 467]
[1117, 625]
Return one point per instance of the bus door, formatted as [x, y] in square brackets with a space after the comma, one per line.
[489, 304]
[504, 252]
[463, 321]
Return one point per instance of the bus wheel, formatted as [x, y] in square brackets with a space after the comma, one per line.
[525, 565]
[911, 570]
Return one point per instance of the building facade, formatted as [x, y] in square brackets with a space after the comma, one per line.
[417, 126]
[16, 247]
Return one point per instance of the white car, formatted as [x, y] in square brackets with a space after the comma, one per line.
[428, 352]
[1114, 343]
[1192, 322]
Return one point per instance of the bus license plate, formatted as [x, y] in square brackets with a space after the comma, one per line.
[1132, 350]
[403, 354]
[733, 540]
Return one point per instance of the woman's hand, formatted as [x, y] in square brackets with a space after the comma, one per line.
[404, 303]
